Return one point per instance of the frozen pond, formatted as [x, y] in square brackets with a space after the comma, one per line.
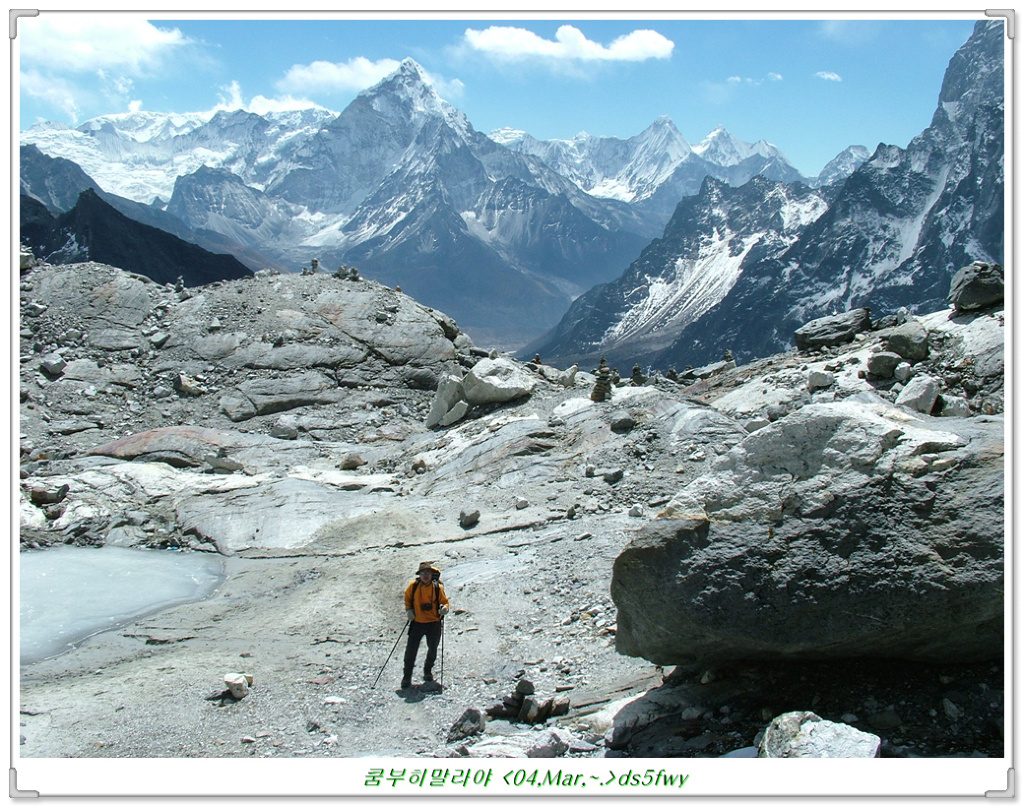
[69, 593]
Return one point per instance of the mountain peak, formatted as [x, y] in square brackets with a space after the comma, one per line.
[410, 68]
[409, 94]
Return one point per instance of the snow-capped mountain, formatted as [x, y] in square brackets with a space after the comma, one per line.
[607, 167]
[140, 155]
[841, 166]
[654, 169]
[502, 233]
[732, 272]
[685, 274]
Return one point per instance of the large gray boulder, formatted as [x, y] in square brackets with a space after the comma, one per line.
[834, 330]
[497, 381]
[977, 286]
[844, 529]
[909, 340]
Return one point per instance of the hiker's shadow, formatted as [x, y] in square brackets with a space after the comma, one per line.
[419, 693]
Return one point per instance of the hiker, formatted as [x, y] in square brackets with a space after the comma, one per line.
[426, 605]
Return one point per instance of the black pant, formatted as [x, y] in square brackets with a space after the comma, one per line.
[417, 630]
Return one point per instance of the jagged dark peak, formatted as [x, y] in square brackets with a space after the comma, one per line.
[978, 62]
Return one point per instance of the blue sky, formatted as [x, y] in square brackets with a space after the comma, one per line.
[809, 86]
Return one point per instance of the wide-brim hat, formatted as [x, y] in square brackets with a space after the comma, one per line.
[427, 566]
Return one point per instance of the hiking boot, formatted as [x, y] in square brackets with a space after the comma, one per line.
[406, 683]
[427, 677]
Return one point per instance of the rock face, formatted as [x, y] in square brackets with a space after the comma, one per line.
[844, 529]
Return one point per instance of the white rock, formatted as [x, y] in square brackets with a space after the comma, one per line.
[455, 414]
[819, 379]
[496, 381]
[804, 734]
[238, 684]
[549, 744]
[449, 394]
[920, 394]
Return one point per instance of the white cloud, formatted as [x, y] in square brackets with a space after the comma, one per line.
[54, 92]
[231, 98]
[335, 77]
[72, 61]
[86, 43]
[570, 44]
[753, 82]
[827, 75]
[344, 78]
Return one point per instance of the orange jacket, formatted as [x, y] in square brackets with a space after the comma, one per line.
[418, 595]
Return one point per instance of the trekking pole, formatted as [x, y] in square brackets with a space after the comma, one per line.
[442, 652]
[400, 634]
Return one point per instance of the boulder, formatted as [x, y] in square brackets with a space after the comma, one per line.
[883, 364]
[920, 394]
[845, 529]
[803, 734]
[473, 721]
[178, 446]
[909, 340]
[835, 330]
[977, 286]
[53, 364]
[449, 403]
[819, 379]
[707, 371]
[238, 684]
[497, 381]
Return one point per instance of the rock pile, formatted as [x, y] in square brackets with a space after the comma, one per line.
[523, 705]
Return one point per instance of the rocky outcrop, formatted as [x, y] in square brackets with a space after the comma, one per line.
[843, 529]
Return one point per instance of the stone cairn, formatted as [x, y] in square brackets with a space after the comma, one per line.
[347, 273]
[523, 705]
[603, 385]
[637, 377]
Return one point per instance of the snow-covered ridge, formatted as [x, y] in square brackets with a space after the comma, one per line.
[721, 148]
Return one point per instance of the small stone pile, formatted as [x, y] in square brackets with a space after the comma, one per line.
[603, 384]
[523, 705]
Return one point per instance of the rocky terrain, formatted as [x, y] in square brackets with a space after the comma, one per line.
[280, 421]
